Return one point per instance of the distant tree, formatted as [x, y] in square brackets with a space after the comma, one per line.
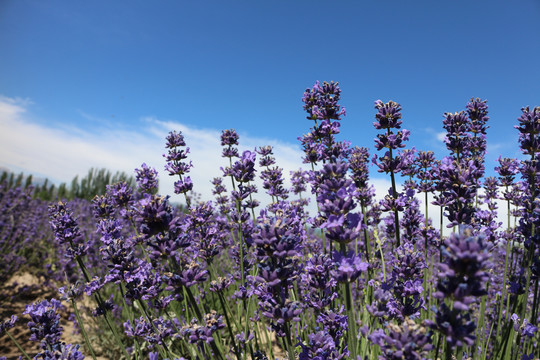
[51, 192]
[19, 180]
[62, 191]
[95, 183]
[28, 181]
[42, 192]
[74, 188]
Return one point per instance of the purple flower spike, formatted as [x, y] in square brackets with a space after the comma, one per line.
[389, 115]
[529, 130]
[462, 275]
[174, 140]
[229, 137]
[176, 164]
[63, 352]
[66, 230]
[8, 324]
[409, 341]
[461, 279]
[45, 324]
[321, 101]
[147, 178]
[348, 267]
[507, 170]
[243, 170]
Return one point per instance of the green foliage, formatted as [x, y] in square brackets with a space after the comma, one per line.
[94, 183]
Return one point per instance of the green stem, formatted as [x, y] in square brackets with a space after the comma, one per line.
[395, 196]
[504, 295]
[438, 346]
[83, 331]
[288, 342]
[486, 342]
[378, 241]
[99, 300]
[366, 234]
[319, 212]
[18, 345]
[229, 327]
[350, 313]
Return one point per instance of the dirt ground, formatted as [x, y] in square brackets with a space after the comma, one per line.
[19, 291]
[24, 289]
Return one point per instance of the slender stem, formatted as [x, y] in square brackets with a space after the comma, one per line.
[350, 313]
[426, 225]
[438, 346]
[395, 196]
[288, 342]
[100, 304]
[81, 326]
[378, 241]
[225, 312]
[131, 317]
[366, 234]
[504, 295]
[535, 303]
[318, 212]
[18, 345]
[486, 342]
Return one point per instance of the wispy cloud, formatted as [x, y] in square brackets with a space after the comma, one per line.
[441, 136]
[61, 153]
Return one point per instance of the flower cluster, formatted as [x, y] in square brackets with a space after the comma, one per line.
[462, 279]
[176, 166]
[234, 278]
[66, 230]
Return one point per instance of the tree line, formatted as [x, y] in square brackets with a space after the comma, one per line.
[92, 184]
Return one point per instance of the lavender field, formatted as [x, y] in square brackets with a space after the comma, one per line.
[322, 271]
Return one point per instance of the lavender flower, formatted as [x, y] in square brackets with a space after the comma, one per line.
[272, 176]
[243, 170]
[45, 324]
[348, 267]
[529, 128]
[462, 276]
[153, 215]
[196, 333]
[155, 333]
[507, 170]
[66, 230]
[409, 341]
[63, 352]
[8, 324]
[389, 118]
[176, 166]
[278, 244]
[147, 179]
[298, 180]
[461, 279]
[336, 201]
[321, 104]
[358, 163]
[328, 341]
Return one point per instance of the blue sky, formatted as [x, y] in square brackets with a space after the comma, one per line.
[102, 80]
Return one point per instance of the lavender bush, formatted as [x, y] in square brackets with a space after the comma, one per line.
[357, 279]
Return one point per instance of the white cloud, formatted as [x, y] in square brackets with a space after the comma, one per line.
[441, 136]
[61, 153]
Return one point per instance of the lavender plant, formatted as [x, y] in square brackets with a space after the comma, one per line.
[235, 278]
